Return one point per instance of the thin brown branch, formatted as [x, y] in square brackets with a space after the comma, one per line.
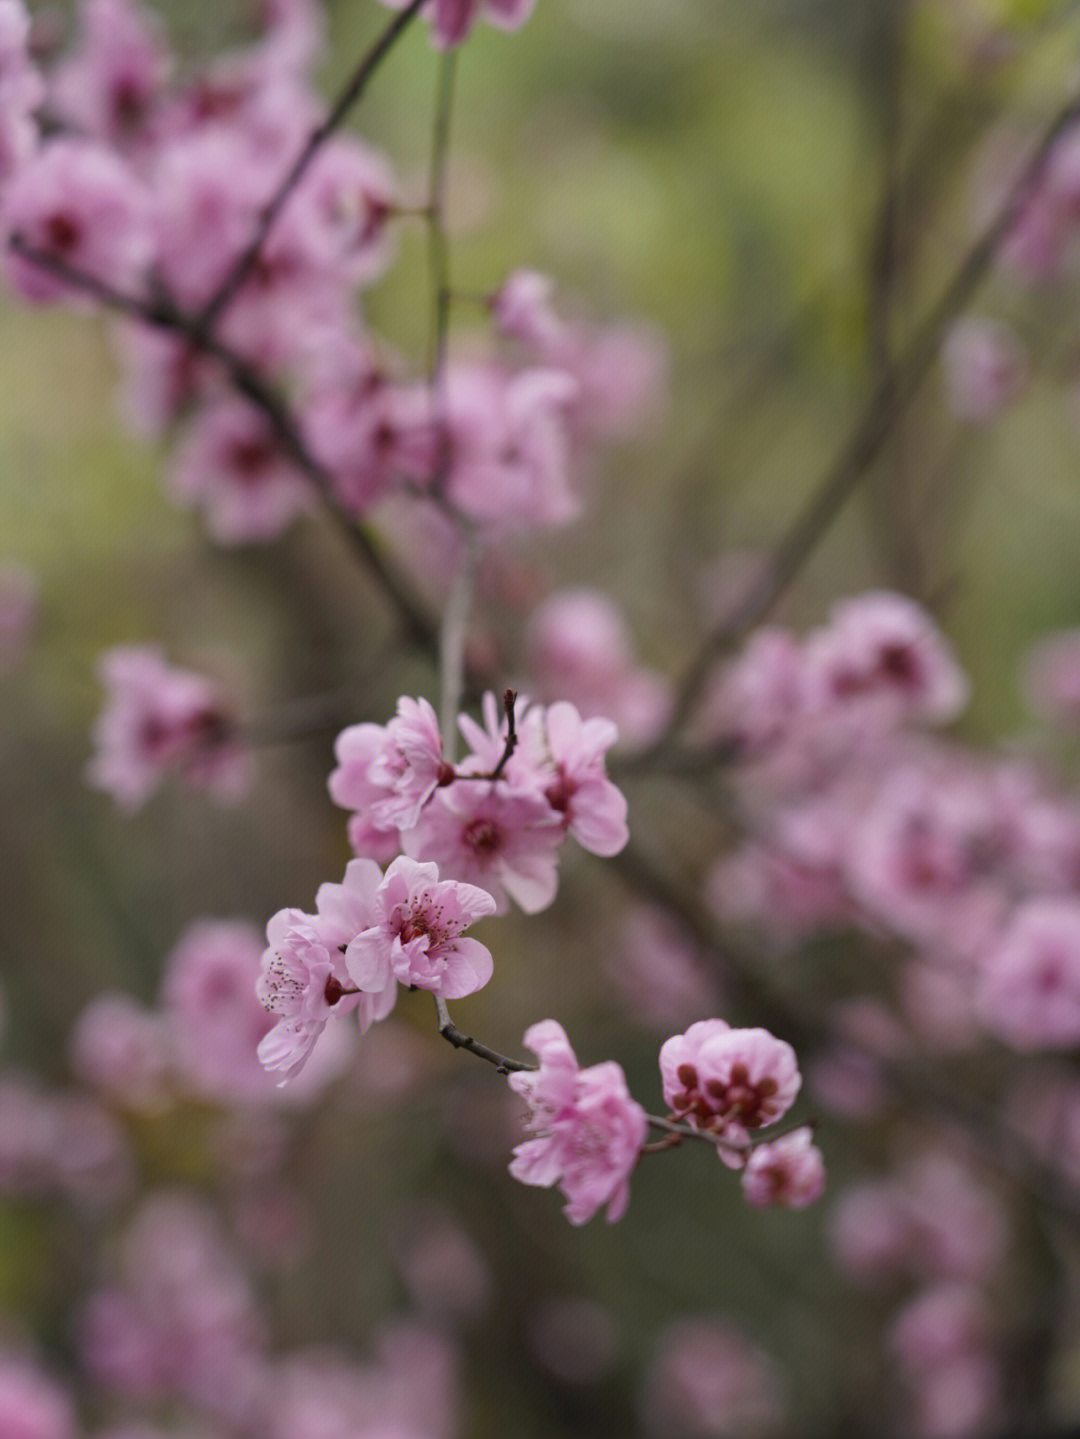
[889, 401]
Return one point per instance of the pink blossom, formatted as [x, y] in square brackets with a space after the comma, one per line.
[214, 1018]
[592, 808]
[304, 979]
[509, 444]
[660, 977]
[881, 654]
[231, 467]
[986, 369]
[409, 765]
[521, 309]
[1029, 991]
[707, 1379]
[920, 859]
[1051, 678]
[440, 1266]
[417, 939]
[32, 1405]
[159, 720]
[589, 1130]
[789, 1172]
[506, 843]
[122, 1049]
[77, 202]
[580, 649]
[351, 786]
[574, 1340]
[728, 1080]
[367, 431]
[110, 86]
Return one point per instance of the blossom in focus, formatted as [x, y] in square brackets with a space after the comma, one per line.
[77, 202]
[159, 720]
[417, 938]
[728, 1080]
[589, 1131]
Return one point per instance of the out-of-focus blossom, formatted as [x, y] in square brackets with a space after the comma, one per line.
[1029, 991]
[574, 1340]
[706, 1380]
[580, 649]
[986, 369]
[451, 20]
[788, 1172]
[1051, 678]
[882, 653]
[589, 1130]
[33, 1405]
[110, 85]
[121, 1049]
[78, 203]
[442, 1269]
[231, 468]
[159, 720]
[18, 614]
[21, 88]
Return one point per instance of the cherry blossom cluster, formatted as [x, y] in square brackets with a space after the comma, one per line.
[499, 816]
[152, 182]
[859, 816]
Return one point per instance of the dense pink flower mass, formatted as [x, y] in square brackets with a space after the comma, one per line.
[589, 1130]
[159, 720]
[728, 1080]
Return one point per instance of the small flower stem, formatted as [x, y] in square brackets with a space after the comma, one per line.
[509, 700]
[450, 1032]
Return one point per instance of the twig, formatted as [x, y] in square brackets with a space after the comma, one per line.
[510, 745]
[890, 399]
[450, 1032]
[349, 95]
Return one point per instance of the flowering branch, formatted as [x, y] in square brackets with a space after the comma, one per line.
[161, 313]
[890, 400]
[349, 95]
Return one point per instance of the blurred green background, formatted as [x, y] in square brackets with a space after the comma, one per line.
[716, 168]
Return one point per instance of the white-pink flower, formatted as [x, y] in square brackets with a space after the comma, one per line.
[592, 808]
[506, 843]
[788, 1172]
[418, 937]
[409, 766]
[589, 1130]
[302, 981]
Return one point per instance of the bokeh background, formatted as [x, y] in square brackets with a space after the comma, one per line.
[724, 174]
